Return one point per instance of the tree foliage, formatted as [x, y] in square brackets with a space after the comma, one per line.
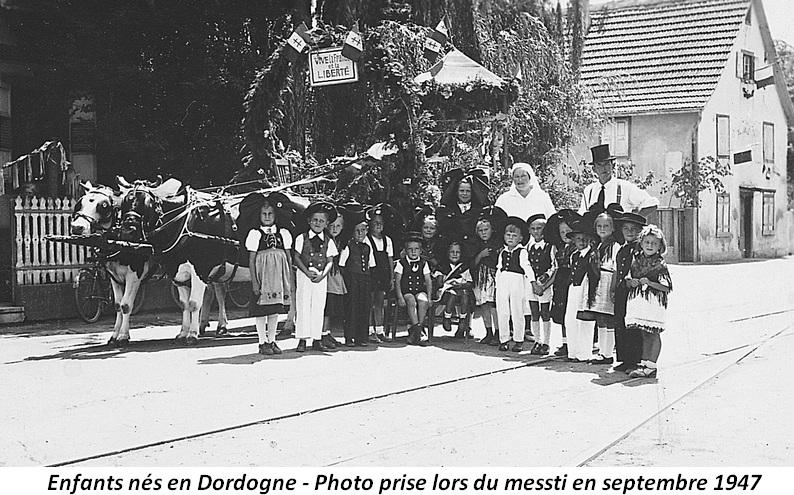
[167, 78]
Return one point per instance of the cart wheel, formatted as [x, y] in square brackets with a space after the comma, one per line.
[90, 295]
[175, 297]
[140, 296]
[239, 293]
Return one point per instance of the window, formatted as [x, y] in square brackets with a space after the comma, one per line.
[723, 136]
[769, 142]
[723, 215]
[768, 213]
[616, 135]
[745, 66]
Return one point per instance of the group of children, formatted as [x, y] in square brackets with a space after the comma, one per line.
[603, 270]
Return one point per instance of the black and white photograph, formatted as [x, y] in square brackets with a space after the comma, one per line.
[396, 233]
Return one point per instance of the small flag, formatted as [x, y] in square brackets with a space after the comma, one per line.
[742, 157]
[297, 42]
[434, 42]
[353, 45]
[765, 76]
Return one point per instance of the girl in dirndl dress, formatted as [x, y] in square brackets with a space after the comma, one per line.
[601, 308]
[484, 264]
[271, 276]
[649, 284]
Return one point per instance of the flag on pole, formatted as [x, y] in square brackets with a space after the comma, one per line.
[764, 76]
[297, 42]
[353, 45]
[434, 42]
[519, 76]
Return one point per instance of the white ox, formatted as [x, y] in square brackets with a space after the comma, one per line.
[95, 212]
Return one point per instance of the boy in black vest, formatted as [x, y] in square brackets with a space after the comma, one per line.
[513, 275]
[413, 284]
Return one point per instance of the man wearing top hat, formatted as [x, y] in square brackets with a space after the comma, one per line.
[609, 189]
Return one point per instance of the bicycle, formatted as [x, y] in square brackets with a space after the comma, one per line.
[93, 292]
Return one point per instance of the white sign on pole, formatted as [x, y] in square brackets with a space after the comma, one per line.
[328, 66]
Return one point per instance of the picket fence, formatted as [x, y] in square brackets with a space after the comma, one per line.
[39, 261]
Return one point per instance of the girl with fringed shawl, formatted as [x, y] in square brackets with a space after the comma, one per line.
[599, 305]
[649, 284]
[454, 282]
[465, 193]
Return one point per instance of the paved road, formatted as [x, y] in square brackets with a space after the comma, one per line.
[451, 404]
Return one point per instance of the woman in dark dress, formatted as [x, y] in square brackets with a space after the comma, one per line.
[465, 194]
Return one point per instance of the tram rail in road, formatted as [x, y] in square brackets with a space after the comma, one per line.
[582, 459]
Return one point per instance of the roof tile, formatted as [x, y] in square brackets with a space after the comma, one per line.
[661, 56]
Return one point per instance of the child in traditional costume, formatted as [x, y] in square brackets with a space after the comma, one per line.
[383, 273]
[413, 284]
[513, 274]
[649, 284]
[489, 243]
[600, 307]
[270, 265]
[542, 257]
[582, 281]
[556, 232]
[336, 300]
[628, 344]
[358, 261]
[431, 241]
[314, 253]
[455, 289]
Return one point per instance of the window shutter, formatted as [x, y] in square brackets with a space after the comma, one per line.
[739, 64]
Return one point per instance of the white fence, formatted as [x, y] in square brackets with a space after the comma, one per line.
[38, 261]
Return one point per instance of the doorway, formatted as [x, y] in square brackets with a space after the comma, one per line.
[746, 222]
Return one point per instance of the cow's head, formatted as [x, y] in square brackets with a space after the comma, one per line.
[95, 210]
[140, 213]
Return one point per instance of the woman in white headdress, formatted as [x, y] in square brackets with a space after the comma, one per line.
[524, 199]
[525, 196]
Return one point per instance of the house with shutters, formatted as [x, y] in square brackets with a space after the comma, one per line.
[686, 79]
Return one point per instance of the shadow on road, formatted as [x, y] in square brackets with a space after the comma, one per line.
[100, 350]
